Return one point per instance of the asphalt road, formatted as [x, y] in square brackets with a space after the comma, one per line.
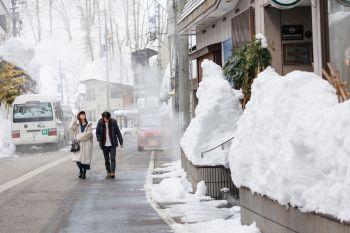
[40, 192]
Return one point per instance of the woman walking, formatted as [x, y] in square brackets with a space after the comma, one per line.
[82, 131]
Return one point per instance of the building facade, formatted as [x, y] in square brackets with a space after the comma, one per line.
[306, 35]
[95, 99]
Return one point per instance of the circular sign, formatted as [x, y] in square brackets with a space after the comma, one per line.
[344, 2]
[285, 4]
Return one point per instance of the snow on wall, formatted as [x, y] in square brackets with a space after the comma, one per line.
[293, 143]
[215, 121]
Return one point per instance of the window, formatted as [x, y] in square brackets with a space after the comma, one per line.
[339, 44]
[34, 111]
[115, 94]
[90, 95]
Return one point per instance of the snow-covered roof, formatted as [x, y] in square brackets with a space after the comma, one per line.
[125, 112]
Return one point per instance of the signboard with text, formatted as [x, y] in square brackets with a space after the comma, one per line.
[292, 32]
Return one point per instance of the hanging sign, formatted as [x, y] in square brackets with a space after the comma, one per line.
[344, 2]
[285, 4]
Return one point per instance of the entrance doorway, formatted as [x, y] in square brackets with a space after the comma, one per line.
[290, 31]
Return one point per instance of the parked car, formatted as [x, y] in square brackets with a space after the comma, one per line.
[150, 133]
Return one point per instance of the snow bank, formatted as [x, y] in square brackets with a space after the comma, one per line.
[6, 147]
[293, 143]
[197, 212]
[17, 51]
[215, 121]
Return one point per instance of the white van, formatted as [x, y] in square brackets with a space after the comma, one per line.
[37, 119]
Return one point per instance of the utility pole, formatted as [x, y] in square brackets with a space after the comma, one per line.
[14, 18]
[159, 37]
[179, 62]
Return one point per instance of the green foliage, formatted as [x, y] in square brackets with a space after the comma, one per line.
[245, 63]
[11, 82]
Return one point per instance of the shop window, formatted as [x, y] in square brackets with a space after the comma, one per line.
[339, 44]
[227, 49]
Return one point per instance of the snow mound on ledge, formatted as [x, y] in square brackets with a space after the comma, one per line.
[217, 111]
[293, 143]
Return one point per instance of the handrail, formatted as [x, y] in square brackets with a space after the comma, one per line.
[204, 152]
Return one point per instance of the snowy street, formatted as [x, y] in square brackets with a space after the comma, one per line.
[41, 192]
[182, 116]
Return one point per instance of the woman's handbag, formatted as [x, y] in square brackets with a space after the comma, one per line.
[75, 146]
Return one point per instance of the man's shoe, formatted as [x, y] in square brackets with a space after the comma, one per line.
[112, 175]
[83, 176]
[108, 176]
[80, 175]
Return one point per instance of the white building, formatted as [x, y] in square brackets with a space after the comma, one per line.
[95, 100]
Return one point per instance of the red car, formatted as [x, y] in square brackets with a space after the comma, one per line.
[150, 133]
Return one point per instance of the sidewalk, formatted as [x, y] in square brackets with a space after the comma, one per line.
[171, 196]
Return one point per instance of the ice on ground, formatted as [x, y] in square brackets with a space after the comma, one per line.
[217, 112]
[197, 212]
[293, 143]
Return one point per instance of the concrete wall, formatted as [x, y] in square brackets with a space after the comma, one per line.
[271, 217]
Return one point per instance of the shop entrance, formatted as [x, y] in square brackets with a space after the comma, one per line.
[290, 31]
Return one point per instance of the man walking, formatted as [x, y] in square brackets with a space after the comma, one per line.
[108, 135]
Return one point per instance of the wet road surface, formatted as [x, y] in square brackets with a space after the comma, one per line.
[56, 200]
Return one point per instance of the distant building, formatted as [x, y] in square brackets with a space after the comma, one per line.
[94, 101]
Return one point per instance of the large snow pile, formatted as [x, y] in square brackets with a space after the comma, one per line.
[6, 146]
[293, 143]
[215, 121]
[197, 212]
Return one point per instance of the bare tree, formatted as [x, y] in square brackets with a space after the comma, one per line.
[97, 6]
[31, 23]
[111, 28]
[38, 20]
[50, 13]
[86, 26]
[126, 15]
[61, 9]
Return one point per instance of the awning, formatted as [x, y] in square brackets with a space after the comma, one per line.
[198, 14]
[203, 51]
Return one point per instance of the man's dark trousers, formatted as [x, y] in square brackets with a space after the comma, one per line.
[109, 153]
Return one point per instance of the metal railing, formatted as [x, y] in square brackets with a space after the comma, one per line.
[222, 147]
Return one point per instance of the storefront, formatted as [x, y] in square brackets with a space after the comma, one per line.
[288, 25]
[307, 34]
